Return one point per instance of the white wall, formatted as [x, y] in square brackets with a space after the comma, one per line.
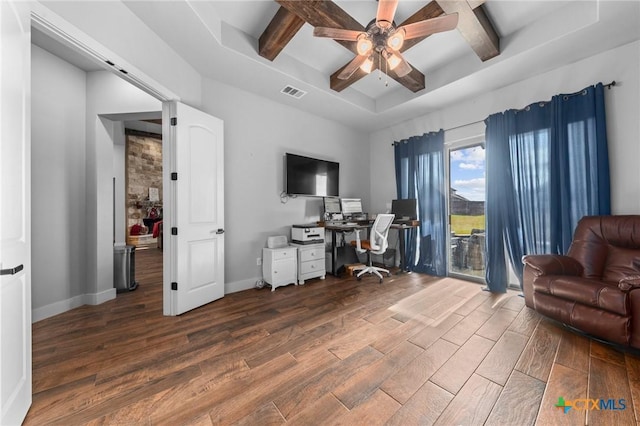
[623, 127]
[258, 132]
[120, 184]
[58, 184]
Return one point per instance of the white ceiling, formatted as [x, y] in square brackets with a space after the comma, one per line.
[219, 39]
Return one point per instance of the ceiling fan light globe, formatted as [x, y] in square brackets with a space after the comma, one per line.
[393, 61]
[396, 39]
[364, 45]
[367, 65]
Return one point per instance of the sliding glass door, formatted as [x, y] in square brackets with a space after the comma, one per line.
[467, 212]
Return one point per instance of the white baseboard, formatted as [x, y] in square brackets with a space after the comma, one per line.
[62, 306]
[56, 308]
[236, 286]
[98, 298]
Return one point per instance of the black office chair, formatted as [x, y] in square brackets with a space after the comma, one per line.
[376, 244]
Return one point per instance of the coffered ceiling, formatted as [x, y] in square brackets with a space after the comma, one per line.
[220, 39]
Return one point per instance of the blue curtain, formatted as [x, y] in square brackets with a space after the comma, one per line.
[420, 174]
[547, 166]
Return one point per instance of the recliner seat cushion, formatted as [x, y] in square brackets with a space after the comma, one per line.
[597, 294]
[595, 321]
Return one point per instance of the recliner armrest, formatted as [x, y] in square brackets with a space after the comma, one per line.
[553, 264]
[629, 283]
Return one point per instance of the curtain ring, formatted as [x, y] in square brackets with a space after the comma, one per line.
[565, 98]
[584, 92]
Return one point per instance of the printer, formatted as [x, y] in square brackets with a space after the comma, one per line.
[309, 233]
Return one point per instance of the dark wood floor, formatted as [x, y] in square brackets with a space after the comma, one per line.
[414, 350]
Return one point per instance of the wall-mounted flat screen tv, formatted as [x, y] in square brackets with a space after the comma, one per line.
[311, 176]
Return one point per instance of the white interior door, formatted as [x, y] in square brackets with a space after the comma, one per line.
[194, 227]
[15, 280]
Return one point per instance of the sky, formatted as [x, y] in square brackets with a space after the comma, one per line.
[467, 172]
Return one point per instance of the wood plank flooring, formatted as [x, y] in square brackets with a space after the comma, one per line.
[414, 350]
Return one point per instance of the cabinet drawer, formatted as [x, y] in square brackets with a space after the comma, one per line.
[312, 266]
[311, 254]
[285, 253]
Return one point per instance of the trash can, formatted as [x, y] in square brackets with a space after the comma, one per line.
[124, 268]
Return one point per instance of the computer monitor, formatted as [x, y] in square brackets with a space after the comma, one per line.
[351, 206]
[332, 205]
[405, 209]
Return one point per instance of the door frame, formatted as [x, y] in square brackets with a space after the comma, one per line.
[464, 137]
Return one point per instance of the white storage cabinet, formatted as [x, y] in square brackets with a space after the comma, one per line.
[279, 266]
[311, 263]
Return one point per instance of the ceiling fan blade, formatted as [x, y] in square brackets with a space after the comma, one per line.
[352, 66]
[336, 33]
[386, 10]
[403, 68]
[430, 26]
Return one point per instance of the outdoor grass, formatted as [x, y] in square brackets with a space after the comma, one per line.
[462, 224]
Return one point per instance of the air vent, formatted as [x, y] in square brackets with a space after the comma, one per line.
[292, 91]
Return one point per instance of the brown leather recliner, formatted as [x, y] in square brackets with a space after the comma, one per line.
[595, 288]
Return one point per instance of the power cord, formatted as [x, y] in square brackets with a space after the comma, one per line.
[284, 197]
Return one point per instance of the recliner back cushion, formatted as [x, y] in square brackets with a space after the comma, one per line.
[620, 263]
[607, 246]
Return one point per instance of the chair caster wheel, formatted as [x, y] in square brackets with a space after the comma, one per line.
[380, 280]
[388, 274]
[359, 278]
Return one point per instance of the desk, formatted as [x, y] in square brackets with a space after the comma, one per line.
[335, 228]
[403, 228]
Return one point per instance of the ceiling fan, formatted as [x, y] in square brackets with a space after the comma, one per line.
[383, 38]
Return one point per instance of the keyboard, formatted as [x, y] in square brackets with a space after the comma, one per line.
[401, 221]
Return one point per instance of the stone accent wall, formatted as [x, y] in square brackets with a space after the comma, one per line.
[144, 171]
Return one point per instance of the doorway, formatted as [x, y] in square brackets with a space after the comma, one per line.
[466, 253]
[143, 196]
[139, 217]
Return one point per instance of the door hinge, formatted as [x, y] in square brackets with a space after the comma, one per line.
[174, 176]
[174, 121]
[174, 231]
[174, 286]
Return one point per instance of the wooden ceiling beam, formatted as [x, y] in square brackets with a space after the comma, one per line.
[321, 13]
[279, 33]
[475, 27]
[292, 15]
[324, 13]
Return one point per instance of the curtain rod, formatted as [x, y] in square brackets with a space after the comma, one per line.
[608, 86]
